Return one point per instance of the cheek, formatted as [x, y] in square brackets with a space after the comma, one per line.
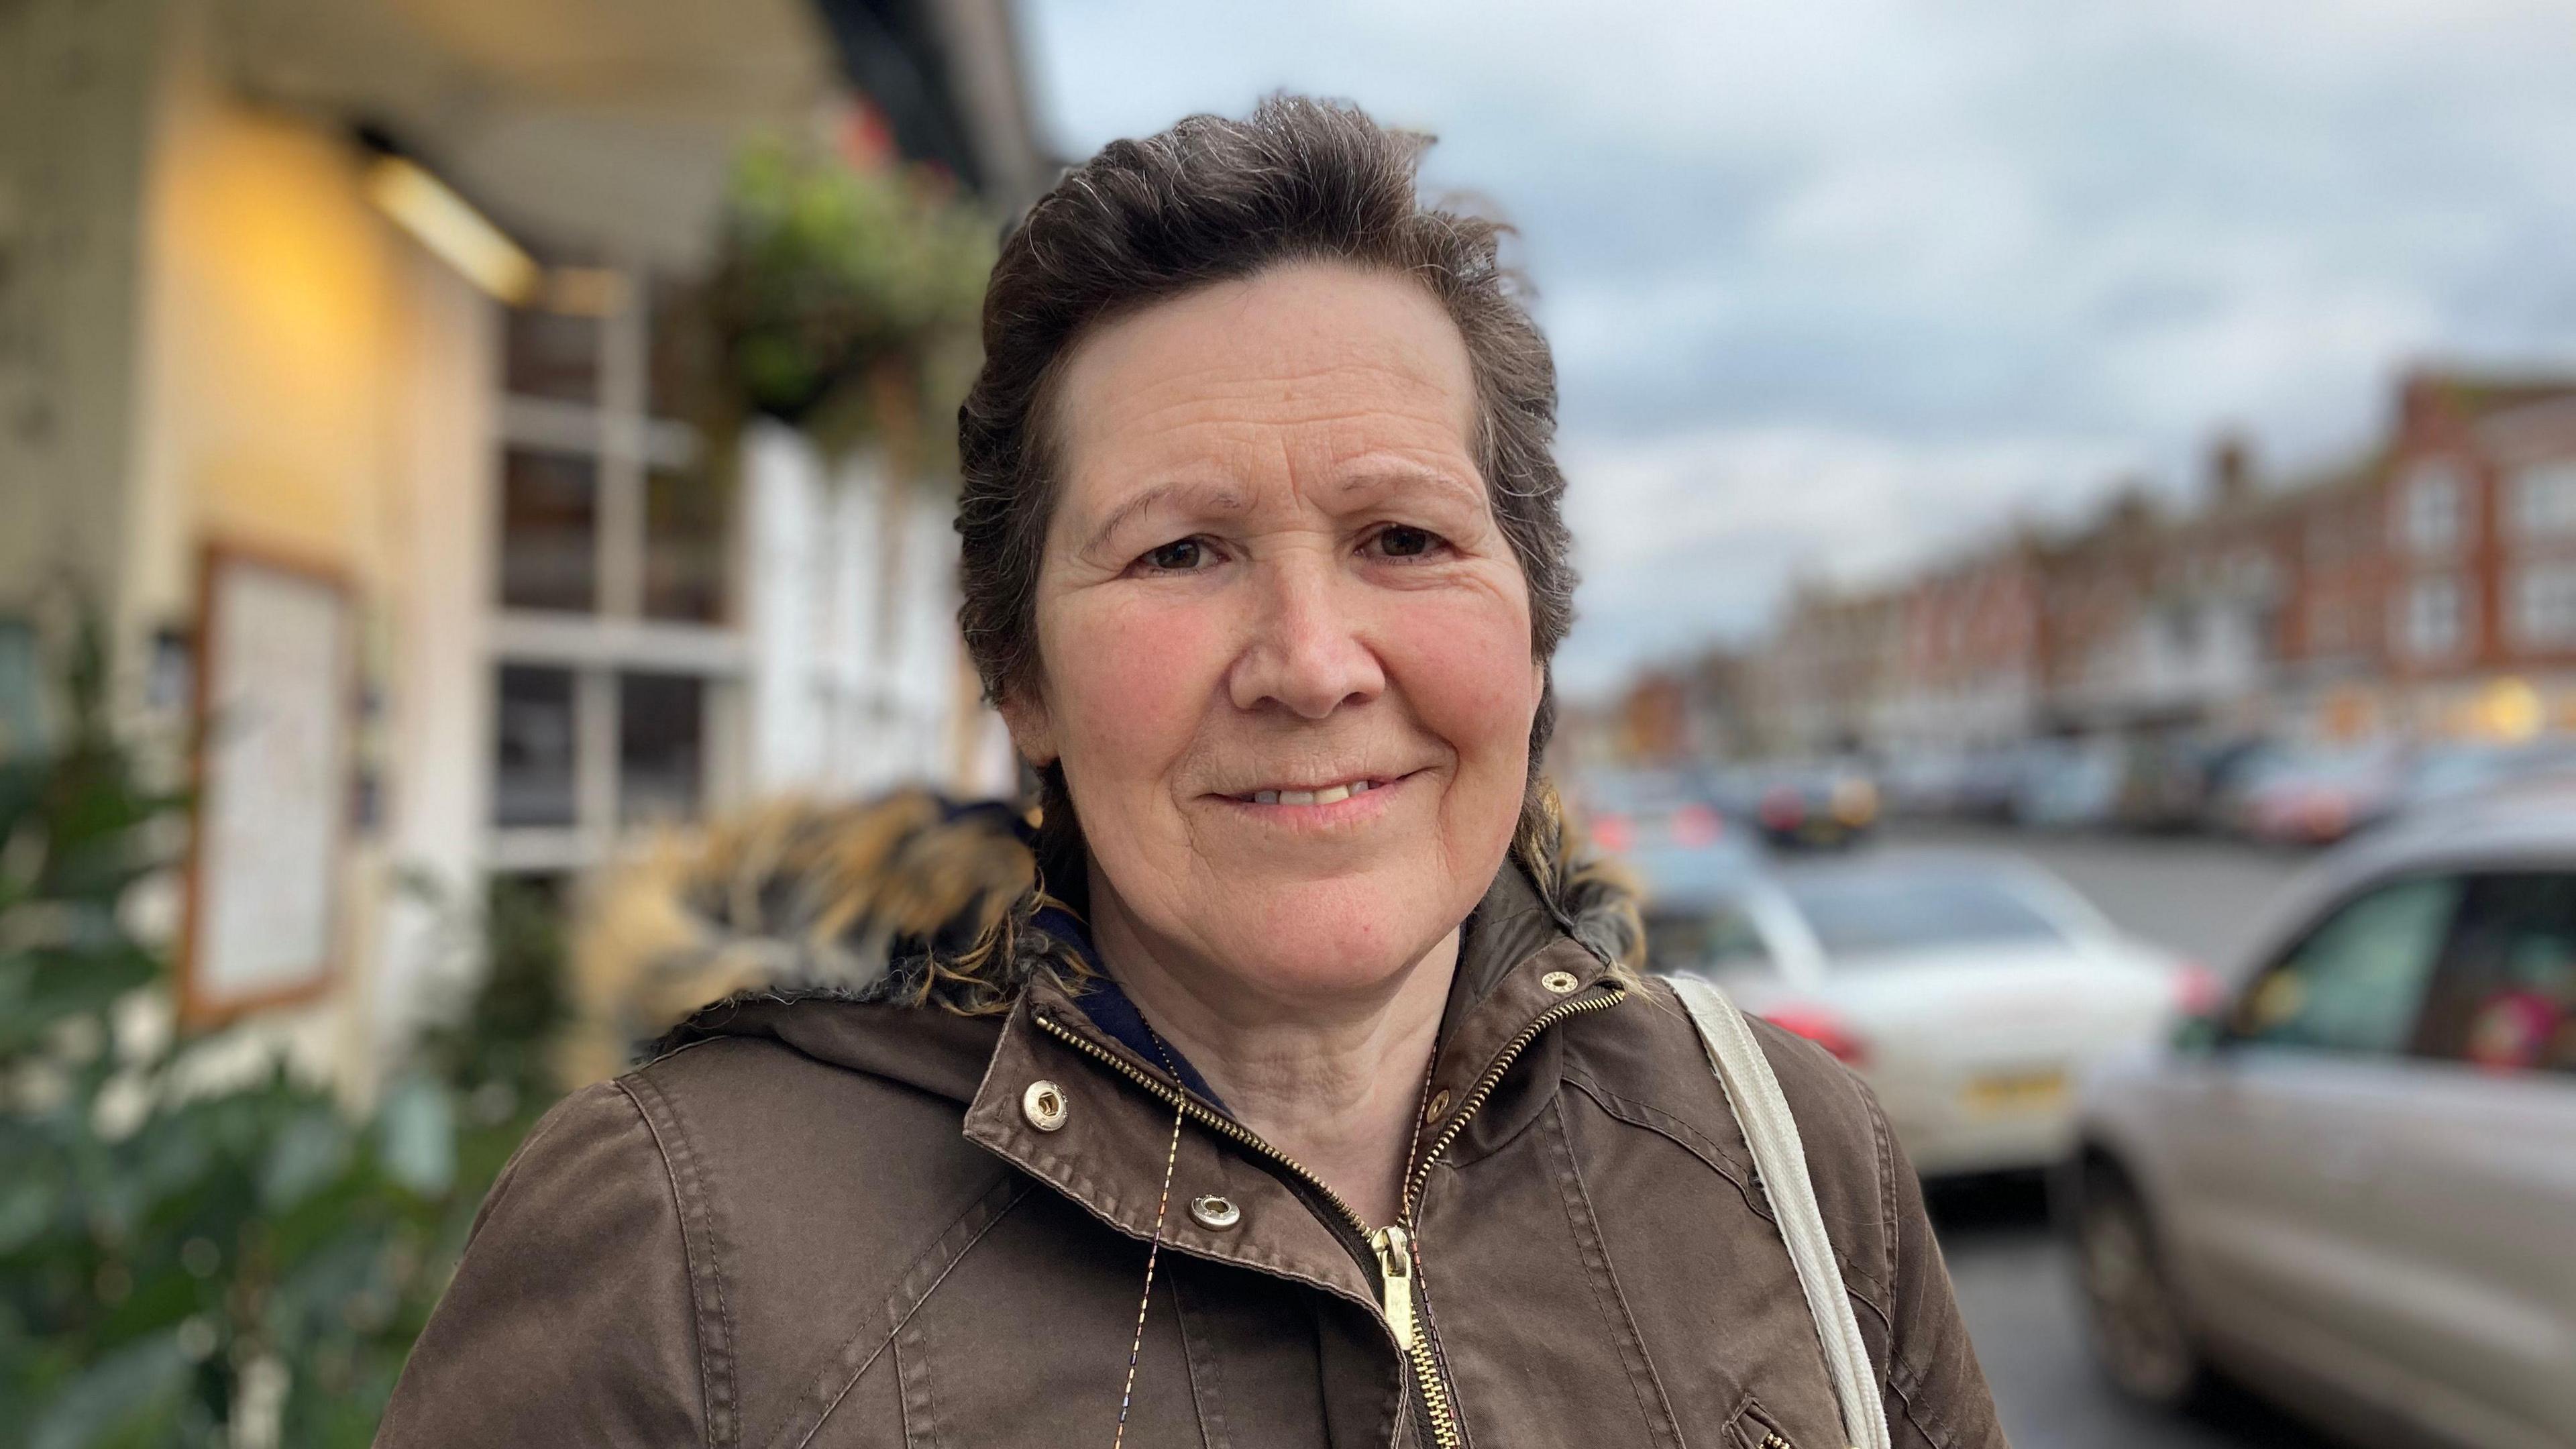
[1464, 663]
[1129, 681]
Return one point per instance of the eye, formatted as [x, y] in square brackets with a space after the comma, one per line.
[1179, 556]
[1402, 540]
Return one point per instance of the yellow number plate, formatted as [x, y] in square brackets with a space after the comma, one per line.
[2004, 1093]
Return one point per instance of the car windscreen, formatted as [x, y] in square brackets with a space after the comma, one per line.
[1675, 872]
[1876, 913]
[2460, 771]
[1718, 935]
[2356, 767]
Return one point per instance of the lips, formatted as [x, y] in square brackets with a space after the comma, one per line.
[1330, 793]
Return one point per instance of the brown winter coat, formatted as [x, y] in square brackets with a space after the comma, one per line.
[831, 1222]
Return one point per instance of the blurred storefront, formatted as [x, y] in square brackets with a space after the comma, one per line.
[349, 350]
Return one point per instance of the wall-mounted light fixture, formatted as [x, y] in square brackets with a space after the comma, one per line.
[449, 226]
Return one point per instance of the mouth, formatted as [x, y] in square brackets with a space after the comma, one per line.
[1332, 794]
[1316, 796]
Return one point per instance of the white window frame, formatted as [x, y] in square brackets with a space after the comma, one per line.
[617, 432]
[2432, 622]
[2543, 500]
[2432, 509]
[2543, 605]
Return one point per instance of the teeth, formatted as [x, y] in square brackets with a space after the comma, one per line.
[1330, 794]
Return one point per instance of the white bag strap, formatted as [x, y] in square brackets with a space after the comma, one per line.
[1781, 1162]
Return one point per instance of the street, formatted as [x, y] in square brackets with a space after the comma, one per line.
[2198, 897]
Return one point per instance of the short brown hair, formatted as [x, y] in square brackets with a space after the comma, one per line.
[1212, 200]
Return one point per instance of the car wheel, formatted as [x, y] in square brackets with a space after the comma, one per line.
[2137, 1326]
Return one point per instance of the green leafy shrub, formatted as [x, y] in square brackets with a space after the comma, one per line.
[183, 1252]
[849, 300]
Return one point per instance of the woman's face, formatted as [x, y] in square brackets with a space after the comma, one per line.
[1286, 647]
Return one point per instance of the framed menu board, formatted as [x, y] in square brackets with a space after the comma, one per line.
[276, 665]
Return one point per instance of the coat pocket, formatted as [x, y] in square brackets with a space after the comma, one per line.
[1751, 1427]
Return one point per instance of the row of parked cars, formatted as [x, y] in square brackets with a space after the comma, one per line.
[2252, 788]
[2342, 1169]
[1783, 804]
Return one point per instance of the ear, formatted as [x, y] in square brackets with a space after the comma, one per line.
[1032, 728]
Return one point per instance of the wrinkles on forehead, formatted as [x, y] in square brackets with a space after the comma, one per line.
[1327, 385]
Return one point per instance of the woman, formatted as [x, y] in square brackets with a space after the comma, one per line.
[1307, 1096]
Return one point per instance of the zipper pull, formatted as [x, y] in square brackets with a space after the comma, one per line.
[1395, 1271]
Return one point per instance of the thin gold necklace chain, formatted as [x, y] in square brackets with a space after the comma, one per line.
[1163, 1202]
[1153, 1249]
[1413, 1143]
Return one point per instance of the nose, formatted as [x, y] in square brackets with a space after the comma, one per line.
[1307, 653]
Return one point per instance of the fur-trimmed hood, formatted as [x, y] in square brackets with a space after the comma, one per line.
[911, 898]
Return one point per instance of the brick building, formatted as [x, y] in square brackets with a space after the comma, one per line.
[2427, 589]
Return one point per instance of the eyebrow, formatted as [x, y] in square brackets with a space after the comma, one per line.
[1217, 498]
[1225, 499]
[1397, 475]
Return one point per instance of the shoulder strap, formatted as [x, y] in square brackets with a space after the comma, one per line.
[1780, 1160]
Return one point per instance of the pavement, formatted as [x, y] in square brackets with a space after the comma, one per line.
[2015, 1286]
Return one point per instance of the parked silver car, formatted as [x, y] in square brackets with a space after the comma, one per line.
[2355, 1187]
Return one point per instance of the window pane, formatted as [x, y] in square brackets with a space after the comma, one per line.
[552, 355]
[2505, 999]
[1721, 937]
[549, 531]
[686, 546]
[2432, 626]
[682, 366]
[2544, 604]
[1874, 913]
[2433, 494]
[21, 690]
[532, 774]
[2544, 500]
[2356, 982]
[661, 747]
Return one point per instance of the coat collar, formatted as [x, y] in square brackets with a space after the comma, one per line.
[1519, 963]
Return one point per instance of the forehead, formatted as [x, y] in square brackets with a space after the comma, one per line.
[1307, 366]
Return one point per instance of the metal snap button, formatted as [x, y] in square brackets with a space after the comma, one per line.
[1044, 1105]
[1215, 1212]
[1439, 1102]
[1559, 982]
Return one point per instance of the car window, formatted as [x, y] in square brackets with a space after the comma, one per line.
[1691, 873]
[1873, 913]
[1720, 937]
[2504, 997]
[2356, 981]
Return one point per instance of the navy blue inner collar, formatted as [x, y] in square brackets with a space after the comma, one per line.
[1112, 1009]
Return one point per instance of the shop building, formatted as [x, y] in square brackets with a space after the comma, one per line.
[347, 354]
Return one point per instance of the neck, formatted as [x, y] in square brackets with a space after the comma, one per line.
[1335, 1085]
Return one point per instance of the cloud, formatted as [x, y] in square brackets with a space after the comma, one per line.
[1695, 535]
[1838, 280]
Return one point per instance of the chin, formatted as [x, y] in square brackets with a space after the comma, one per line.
[1338, 937]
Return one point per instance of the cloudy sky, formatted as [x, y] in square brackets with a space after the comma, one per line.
[1838, 284]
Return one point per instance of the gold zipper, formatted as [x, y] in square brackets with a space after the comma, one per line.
[1393, 1244]
[1493, 1077]
[1426, 1365]
[1395, 1269]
